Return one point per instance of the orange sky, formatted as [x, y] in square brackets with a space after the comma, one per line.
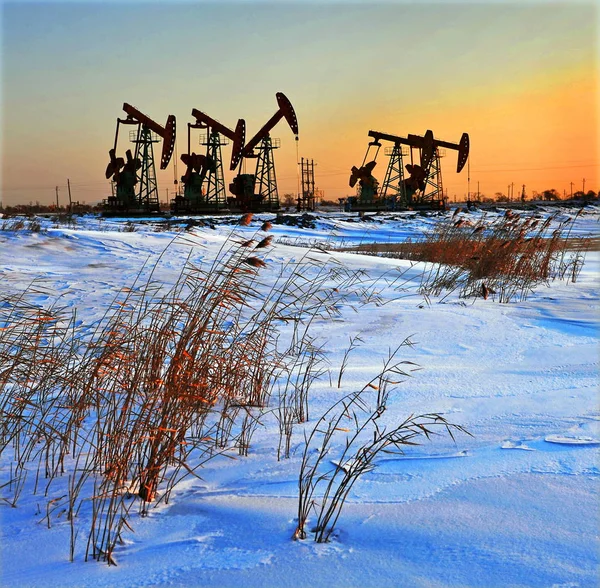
[521, 79]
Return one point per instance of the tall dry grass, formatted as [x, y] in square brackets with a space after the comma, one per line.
[504, 258]
[168, 379]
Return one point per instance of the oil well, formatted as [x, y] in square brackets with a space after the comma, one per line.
[133, 178]
[258, 192]
[412, 178]
[414, 185]
[203, 181]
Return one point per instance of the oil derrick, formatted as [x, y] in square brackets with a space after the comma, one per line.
[204, 184]
[135, 179]
[393, 189]
[215, 182]
[306, 201]
[432, 194]
[266, 180]
[243, 187]
[144, 152]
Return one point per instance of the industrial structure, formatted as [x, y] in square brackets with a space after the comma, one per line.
[307, 198]
[406, 185]
[258, 192]
[420, 188]
[203, 181]
[134, 179]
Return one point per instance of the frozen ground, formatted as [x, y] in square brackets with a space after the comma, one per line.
[514, 505]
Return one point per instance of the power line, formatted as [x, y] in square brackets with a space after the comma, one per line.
[487, 171]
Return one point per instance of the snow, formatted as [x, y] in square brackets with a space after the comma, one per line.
[516, 504]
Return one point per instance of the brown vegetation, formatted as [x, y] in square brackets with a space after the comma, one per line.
[168, 379]
[508, 256]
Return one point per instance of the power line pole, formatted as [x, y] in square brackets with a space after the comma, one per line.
[571, 190]
[70, 201]
[57, 198]
[583, 186]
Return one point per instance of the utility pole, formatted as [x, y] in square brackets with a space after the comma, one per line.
[468, 178]
[583, 186]
[70, 201]
[571, 190]
[523, 194]
[508, 193]
[56, 198]
[477, 190]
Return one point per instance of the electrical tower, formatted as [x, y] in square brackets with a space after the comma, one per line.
[307, 200]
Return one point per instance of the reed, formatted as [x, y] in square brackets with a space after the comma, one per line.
[169, 378]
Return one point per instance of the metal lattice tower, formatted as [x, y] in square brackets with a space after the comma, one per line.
[265, 174]
[434, 190]
[215, 182]
[308, 185]
[147, 196]
[393, 187]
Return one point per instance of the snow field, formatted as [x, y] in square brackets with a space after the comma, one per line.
[506, 507]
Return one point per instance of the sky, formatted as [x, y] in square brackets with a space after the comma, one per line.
[521, 78]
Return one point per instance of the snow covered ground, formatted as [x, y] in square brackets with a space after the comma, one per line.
[516, 504]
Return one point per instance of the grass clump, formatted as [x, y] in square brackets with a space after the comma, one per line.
[359, 419]
[168, 379]
[506, 257]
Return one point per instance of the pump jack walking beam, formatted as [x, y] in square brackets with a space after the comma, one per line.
[286, 110]
[428, 144]
[203, 121]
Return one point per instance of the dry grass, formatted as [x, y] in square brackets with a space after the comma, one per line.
[358, 422]
[166, 380]
[507, 257]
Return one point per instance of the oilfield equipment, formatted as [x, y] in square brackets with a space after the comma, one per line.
[420, 188]
[204, 184]
[134, 179]
[307, 199]
[258, 192]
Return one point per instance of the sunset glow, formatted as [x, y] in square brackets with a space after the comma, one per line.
[521, 79]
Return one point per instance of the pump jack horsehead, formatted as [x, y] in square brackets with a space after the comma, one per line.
[139, 168]
[423, 186]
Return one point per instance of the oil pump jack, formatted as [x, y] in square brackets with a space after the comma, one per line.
[135, 179]
[422, 188]
[208, 169]
[258, 192]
